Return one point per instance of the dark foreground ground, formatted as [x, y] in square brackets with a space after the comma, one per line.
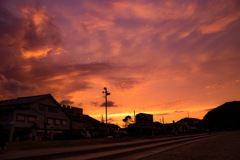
[223, 147]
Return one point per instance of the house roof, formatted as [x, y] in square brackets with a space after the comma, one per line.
[24, 100]
[144, 114]
[90, 119]
[186, 119]
[29, 100]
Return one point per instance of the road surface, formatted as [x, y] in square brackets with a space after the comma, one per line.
[222, 147]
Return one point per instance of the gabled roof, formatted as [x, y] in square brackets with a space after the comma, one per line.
[25, 100]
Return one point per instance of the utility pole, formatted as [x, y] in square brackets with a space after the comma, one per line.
[106, 94]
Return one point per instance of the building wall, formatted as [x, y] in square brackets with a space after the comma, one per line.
[40, 112]
[143, 119]
[51, 113]
[6, 118]
[30, 121]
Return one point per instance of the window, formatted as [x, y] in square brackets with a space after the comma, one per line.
[31, 119]
[20, 117]
[42, 107]
[39, 134]
[50, 121]
[52, 109]
[57, 122]
[64, 122]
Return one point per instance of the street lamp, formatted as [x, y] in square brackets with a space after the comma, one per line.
[106, 94]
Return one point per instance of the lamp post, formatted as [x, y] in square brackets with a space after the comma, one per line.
[106, 94]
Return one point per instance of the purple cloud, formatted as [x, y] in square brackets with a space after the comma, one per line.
[109, 104]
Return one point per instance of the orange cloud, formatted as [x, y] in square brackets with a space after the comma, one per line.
[38, 16]
[93, 22]
[155, 11]
[35, 53]
[40, 36]
[218, 25]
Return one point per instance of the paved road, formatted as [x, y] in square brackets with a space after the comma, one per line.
[141, 150]
[217, 147]
[222, 147]
[97, 151]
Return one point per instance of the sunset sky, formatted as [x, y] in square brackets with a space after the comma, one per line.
[163, 57]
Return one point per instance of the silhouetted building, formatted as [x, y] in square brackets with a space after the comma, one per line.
[76, 115]
[144, 120]
[81, 122]
[143, 126]
[33, 117]
[189, 125]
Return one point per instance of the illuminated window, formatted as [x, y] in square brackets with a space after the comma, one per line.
[20, 117]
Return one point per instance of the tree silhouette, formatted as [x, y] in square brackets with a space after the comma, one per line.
[127, 120]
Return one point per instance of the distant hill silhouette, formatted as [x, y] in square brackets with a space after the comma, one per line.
[224, 117]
